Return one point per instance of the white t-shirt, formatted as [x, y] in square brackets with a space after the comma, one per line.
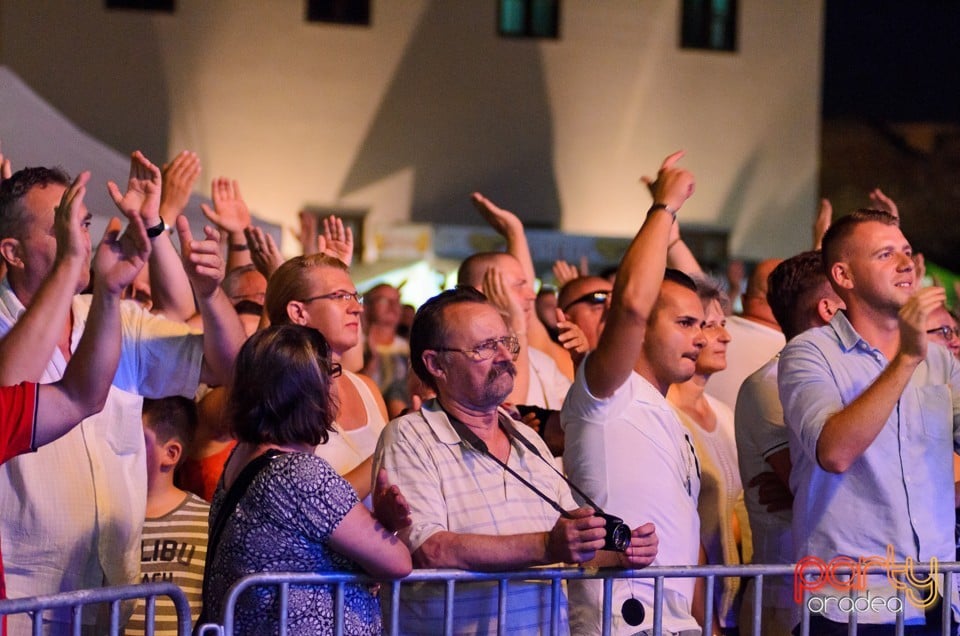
[631, 455]
[548, 385]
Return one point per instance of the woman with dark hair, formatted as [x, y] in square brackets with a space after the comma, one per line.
[280, 508]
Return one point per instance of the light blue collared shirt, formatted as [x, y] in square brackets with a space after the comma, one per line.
[900, 491]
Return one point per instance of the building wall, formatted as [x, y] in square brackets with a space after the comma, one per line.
[409, 116]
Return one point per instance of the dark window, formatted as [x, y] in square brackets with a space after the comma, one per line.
[709, 24]
[143, 5]
[339, 11]
[529, 18]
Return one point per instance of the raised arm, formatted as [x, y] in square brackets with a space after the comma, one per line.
[336, 239]
[510, 227]
[495, 290]
[28, 346]
[6, 170]
[86, 381]
[232, 216]
[679, 255]
[223, 333]
[169, 286]
[638, 282]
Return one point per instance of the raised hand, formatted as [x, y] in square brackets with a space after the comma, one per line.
[71, 220]
[821, 223]
[503, 221]
[230, 212]
[389, 505]
[143, 190]
[565, 272]
[120, 257]
[308, 233]
[576, 539]
[571, 336]
[201, 258]
[920, 265]
[6, 171]
[495, 289]
[336, 240]
[179, 177]
[913, 320]
[673, 185]
[264, 253]
[883, 202]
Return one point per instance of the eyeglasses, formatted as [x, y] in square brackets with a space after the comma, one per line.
[946, 332]
[594, 298]
[335, 369]
[342, 296]
[489, 348]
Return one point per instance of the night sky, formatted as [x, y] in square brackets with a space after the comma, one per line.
[893, 60]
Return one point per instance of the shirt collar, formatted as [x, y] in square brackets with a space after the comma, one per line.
[439, 422]
[846, 334]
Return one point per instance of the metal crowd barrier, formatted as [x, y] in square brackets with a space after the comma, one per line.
[450, 578]
[76, 601]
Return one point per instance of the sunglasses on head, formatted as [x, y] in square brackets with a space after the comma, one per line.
[594, 298]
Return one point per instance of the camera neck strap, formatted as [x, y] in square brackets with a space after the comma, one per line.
[477, 444]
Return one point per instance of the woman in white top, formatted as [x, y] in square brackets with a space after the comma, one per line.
[316, 291]
[710, 424]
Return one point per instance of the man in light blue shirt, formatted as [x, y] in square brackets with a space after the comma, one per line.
[873, 414]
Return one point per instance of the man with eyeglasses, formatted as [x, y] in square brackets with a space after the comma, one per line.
[483, 489]
[585, 301]
[942, 330]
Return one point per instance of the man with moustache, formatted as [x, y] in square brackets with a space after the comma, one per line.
[461, 463]
[873, 415]
[625, 446]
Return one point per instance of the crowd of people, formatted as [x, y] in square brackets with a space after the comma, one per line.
[202, 409]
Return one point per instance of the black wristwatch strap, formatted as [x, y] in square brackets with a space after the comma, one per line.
[156, 230]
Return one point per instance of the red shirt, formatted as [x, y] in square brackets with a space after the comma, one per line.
[18, 412]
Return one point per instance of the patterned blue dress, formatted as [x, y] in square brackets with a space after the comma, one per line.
[283, 524]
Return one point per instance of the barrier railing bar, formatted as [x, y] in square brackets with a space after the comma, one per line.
[555, 607]
[658, 604]
[448, 610]
[708, 604]
[75, 600]
[502, 607]
[607, 616]
[395, 608]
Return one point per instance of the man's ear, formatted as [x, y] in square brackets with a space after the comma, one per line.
[10, 251]
[840, 273]
[431, 360]
[826, 309]
[297, 312]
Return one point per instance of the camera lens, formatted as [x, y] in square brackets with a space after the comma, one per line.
[618, 534]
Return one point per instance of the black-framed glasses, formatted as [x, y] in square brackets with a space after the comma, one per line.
[335, 369]
[594, 298]
[341, 296]
[489, 348]
[947, 332]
